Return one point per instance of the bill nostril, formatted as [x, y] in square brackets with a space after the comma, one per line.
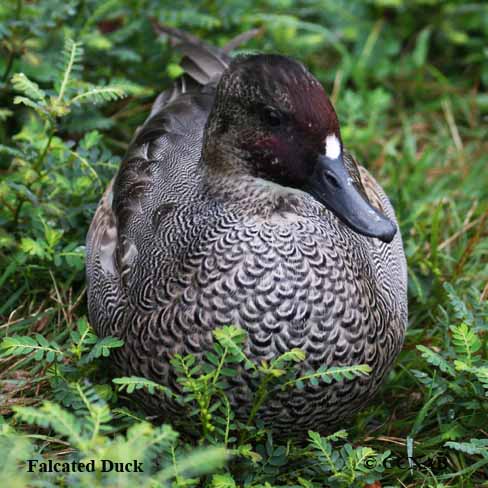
[331, 179]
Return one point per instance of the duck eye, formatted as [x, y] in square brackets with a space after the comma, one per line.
[271, 117]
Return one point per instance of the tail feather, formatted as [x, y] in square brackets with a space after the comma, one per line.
[202, 62]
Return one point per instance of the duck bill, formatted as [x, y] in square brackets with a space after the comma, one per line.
[332, 186]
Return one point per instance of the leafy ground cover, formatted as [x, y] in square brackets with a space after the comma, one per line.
[408, 79]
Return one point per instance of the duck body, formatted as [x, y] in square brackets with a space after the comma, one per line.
[177, 248]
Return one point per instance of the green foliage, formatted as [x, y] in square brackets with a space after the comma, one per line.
[88, 427]
[143, 441]
[408, 80]
[37, 345]
[461, 362]
[204, 384]
[68, 90]
[347, 466]
[457, 386]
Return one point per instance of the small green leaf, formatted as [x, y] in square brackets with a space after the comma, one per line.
[29, 88]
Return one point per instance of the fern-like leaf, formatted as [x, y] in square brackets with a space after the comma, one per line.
[132, 383]
[436, 360]
[71, 63]
[102, 348]
[38, 346]
[324, 448]
[293, 356]
[232, 339]
[460, 309]
[27, 87]
[98, 410]
[337, 436]
[465, 341]
[54, 416]
[358, 456]
[40, 109]
[482, 375]
[83, 338]
[328, 375]
[474, 446]
[98, 95]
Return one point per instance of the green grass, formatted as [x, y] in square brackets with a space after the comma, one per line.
[408, 81]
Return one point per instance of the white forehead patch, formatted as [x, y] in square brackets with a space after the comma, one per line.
[332, 146]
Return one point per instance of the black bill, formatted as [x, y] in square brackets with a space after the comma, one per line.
[332, 186]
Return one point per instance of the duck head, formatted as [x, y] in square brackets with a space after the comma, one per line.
[272, 119]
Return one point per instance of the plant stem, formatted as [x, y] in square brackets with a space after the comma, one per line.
[17, 213]
[42, 156]
[261, 396]
[37, 165]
